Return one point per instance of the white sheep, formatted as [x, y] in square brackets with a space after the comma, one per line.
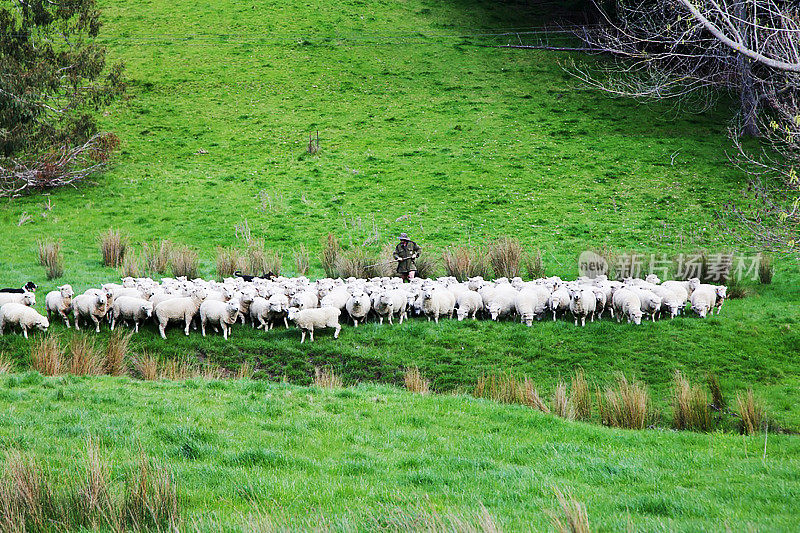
[503, 302]
[358, 305]
[703, 300]
[258, 313]
[130, 308]
[59, 302]
[525, 304]
[558, 301]
[278, 309]
[582, 303]
[22, 316]
[219, 313]
[650, 302]
[438, 302]
[184, 308]
[91, 306]
[389, 303]
[670, 302]
[315, 318]
[305, 300]
[24, 298]
[469, 303]
[626, 303]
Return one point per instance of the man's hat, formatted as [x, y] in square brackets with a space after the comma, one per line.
[404, 237]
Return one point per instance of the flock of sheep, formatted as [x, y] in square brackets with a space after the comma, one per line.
[313, 305]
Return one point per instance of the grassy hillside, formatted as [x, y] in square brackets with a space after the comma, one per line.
[352, 458]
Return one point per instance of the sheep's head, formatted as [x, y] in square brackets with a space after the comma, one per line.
[694, 283]
[128, 282]
[42, 323]
[66, 291]
[636, 316]
[147, 310]
[652, 278]
[292, 315]
[722, 292]
[29, 299]
[701, 309]
[232, 309]
[461, 313]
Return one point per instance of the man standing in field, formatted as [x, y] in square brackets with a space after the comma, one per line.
[405, 253]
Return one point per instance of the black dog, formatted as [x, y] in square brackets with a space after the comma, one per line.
[268, 275]
[28, 287]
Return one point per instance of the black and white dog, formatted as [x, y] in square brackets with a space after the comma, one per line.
[268, 275]
[28, 287]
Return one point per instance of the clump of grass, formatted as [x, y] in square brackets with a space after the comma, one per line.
[47, 356]
[157, 256]
[245, 371]
[49, 252]
[415, 381]
[301, 260]
[736, 290]
[6, 365]
[572, 517]
[505, 388]
[183, 261]
[326, 378]
[690, 408]
[427, 265]
[113, 244]
[92, 502]
[27, 501]
[151, 498]
[117, 352]
[579, 396]
[717, 399]
[85, 359]
[330, 254]
[131, 265]
[534, 265]
[626, 406]
[751, 412]
[229, 260]
[560, 402]
[464, 262]
[146, 367]
[385, 266]
[357, 262]
[765, 269]
[261, 261]
[505, 255]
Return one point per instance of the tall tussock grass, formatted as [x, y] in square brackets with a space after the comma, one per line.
[580, 397]
[229, 260]
[415, 382]
[330, 253]
[505, 388]
[326, 378]
[132, 265]
[302, 260]
[156, 256]
[47, 355]
[561, 403]
[571, 516]
[183, 261]
[690, 407]
[6, 364]
[534, 264]
[465, 261]
[427, 265]
[113, 244]
[765, 269]
[49, 254]
[751, 412]
[116, 363]
[356, 262]
[505, 256]
[32, 499]
[261, 261]
[717, 399]
[85, 359]
[625, 405]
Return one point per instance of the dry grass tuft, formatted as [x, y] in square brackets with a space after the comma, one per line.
[27, 502]
[261, 261]
[765, 269]
[183, 261]
[505, 255]
[580, 397]
[330, 253]
[229, 260]
[157, 256]
[505, 388]
[464, 262]
[751, 411]
[562, 406]
[49, 252]
[93, 505]
[690, 408]
[113, 244]
[302, 260]
[132, 265]
[326, 378]
[534, 265]
[245, 371]
[427, 265]
[6, 365]
[356, 262]
[151, 498]
[146, 367]
[47, 356]
[572, 517]
[626, 406]
[415, 381]
[85, 359]
[116, 363]
[717, 399]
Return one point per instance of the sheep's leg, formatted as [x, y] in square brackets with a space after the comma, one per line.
[285, 323]
[336, 332]
[203, 327]
[355, 323]
[380, 319]
[312, 334]
[113, 323]
[583, 321]
[136, 326]
[576, 321]
[302, 336]
[96, 324]
[25, 332]
[390, 319]
[66, 319]
[224, 332]
[188, 320]
[436, 318]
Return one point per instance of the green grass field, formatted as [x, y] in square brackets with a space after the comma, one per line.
[423, 128]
